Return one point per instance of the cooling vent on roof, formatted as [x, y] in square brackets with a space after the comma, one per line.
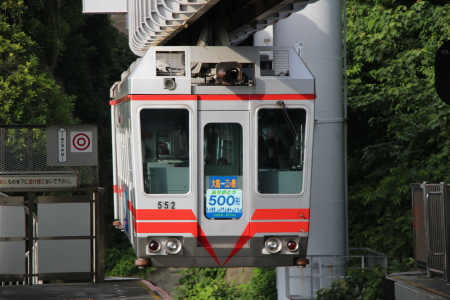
[274, 63]
[170, 63]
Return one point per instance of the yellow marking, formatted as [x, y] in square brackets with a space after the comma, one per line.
[151, 293]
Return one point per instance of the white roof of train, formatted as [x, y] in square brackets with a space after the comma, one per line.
[271, 70]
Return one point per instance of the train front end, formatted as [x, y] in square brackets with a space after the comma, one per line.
[212, 156]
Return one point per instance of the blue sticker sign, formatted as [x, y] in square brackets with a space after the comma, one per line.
[223, 182]
[224, 203]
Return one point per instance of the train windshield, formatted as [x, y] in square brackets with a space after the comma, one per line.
[280, 150]
[222, 148]
[165, 150]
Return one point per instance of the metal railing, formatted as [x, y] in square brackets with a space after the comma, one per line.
[59, 237]
[69, 217]
[431, 206]
[303, 283]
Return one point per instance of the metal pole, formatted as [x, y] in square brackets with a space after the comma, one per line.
[99, 236]
[94, 233]
[321, 44]
[446, 229]
[30, 238]
[427, 227]
[3, 132]
[321, 37]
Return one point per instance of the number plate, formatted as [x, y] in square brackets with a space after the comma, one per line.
[224, 203]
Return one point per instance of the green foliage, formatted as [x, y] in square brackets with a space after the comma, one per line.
[403, 265]
[120, 263]
[207, 283]
[26, 95]
[263, 285]
[57, 66]
[86, 55]
[358, 284]
[398, 128]
[210, 283]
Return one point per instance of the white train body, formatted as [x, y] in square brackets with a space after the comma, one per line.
[212, 156]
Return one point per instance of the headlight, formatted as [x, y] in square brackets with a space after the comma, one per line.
[273, 245]
[173, 246]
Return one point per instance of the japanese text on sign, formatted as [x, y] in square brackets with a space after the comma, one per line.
[224, 203]
[223, 182]
[35, 181]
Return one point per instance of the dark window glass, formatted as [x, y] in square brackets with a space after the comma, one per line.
[165, 150]
[280, 150]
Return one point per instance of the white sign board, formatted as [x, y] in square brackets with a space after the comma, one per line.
[81, 141]
[104, 6]
[39, 181]
[62, 145]
[72, 145]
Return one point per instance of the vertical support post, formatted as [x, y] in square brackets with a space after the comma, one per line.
[286, 278]
[30, 237]
[322, 53]
[3, 132]
[321, 50]
[446, 230]
[427, 227]
[31, 208]
[93, 218]
[99, 237]
[311, 276]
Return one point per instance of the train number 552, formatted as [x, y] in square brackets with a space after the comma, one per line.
[166, 205]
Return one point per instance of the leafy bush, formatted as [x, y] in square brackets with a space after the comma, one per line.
[358, 284]
[120, 263]
[398, 128]
[263, 285]
[402, 265]
[27, 95]
[209, 283]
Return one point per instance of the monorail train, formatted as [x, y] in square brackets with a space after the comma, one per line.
[212, 156]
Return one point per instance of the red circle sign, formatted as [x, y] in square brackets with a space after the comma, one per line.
[81, 142]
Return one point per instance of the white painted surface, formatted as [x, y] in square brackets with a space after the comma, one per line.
[104, 6]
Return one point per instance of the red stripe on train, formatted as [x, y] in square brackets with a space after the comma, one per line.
[167, 227]
[188, 214]
[274, 227]
[165, 214]
[191, 227]
[230, 97]
[257, 97]
[281, 214]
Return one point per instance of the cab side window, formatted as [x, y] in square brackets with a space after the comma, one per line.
[280, 150]
[165, 150]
